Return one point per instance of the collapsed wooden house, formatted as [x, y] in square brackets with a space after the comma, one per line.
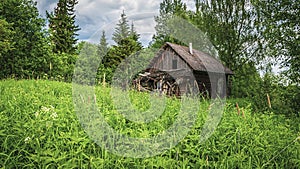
[178, 70]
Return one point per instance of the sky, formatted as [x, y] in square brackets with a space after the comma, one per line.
[94, 16]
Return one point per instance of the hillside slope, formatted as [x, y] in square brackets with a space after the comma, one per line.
[39, 129]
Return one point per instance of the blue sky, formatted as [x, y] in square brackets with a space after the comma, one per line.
[93, 16]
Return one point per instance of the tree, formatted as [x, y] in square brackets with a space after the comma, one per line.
[233, 28]
[120, 53]
[279, 22]
[133, 34]
[6, 45]
[230, 27]
[87, 64]
[6, 41]
[62, 27]
[102, 52]
[122, 30]
[168, 8]
[23, 27]
[127, 43]
[127, 40]
[103, 45]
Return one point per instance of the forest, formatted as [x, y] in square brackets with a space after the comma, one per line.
[258, 40]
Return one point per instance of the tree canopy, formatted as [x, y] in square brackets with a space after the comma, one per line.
[24, 38]
[63, 30]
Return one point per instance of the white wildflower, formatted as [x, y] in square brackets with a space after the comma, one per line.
[37, 114]
[49, 124]
[27, 139]
[45, 109]
[54, 115]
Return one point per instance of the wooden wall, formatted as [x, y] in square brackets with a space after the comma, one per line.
[165, 61]
[208, 84]
[211, 84]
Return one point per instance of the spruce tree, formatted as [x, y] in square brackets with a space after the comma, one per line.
[127, 43]
[102, 53]
[63, 28]
[103, 45]
[127, 40]
[25, 38]
[122, 30]
[133, 34]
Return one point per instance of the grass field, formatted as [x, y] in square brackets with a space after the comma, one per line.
[39, 129]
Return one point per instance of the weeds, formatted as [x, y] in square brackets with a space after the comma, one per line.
[39, 129]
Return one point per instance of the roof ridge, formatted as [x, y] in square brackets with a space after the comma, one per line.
[199, 60]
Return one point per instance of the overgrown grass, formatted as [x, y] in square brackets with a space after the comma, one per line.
[39, 129]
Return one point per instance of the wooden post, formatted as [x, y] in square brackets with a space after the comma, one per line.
[269, 101]
[238, 109]
[207, 160]
[243, 113]
[103, 82]
[139, 85]
[95, 99]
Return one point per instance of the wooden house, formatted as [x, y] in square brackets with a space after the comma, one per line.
[178, 70]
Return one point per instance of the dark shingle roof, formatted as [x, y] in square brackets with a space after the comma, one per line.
[199, 61]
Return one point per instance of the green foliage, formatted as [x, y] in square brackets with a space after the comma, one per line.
[87, 64]
[94, 65]
[284, 97]
[279, 22]
[127, 43]
[289, 96]
[133, 34]
[6, 34]
[246, 82]
[230, 27]
[29, 56]
[6, 46]
[117, 54]
[103, 45]
[102, 51]
[246, 34]
[39, 129]
[61, 67]
[122, 31]
[62, 27]
[167, 9]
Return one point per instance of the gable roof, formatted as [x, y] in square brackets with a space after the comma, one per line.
[199, 61]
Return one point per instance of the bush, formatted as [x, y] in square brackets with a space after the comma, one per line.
[284, 97]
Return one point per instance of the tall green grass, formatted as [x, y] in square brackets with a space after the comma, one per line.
[39, 129]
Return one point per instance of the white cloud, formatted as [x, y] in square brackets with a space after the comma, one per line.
[93, 16]
[97, 15]
[46, 5]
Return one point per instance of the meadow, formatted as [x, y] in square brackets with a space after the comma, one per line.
[39, 129]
